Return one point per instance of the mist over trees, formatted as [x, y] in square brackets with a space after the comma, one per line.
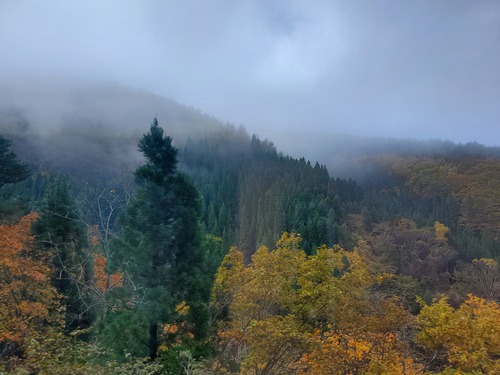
[207, 250]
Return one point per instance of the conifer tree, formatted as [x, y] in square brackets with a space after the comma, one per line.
[59, 231]
[11, 170]
[159, 247]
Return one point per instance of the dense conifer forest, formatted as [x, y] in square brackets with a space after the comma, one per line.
[215, 253]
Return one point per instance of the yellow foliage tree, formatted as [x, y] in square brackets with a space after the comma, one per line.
[338, 353]
[467, 339]
[286, 308]
[441, 230]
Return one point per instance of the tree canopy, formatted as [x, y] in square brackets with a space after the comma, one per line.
[11, 170]
[159, 247]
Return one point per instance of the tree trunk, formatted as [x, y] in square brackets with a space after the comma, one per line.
[153, 340]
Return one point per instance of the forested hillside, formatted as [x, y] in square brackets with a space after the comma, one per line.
[460, 190]
[213, 252]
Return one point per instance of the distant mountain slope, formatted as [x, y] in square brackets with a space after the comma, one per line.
[353, 156]
[458, 184]
[251, 191]
[471, 183]
[91, 127]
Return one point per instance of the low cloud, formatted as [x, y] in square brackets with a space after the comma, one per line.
[388, 68]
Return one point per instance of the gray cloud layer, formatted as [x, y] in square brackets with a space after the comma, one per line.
[422, 69]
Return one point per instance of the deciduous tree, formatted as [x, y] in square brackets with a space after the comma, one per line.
[29, 304]
[284, 311]
[463, 340]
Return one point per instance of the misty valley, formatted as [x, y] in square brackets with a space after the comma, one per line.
[139, 236]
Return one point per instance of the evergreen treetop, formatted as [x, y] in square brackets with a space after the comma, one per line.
[11, 170]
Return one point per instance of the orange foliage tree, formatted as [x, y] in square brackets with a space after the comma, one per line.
[102, 281]
[105, 281]
[28, 302]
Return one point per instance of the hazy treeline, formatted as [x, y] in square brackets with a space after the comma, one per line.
[115, 262]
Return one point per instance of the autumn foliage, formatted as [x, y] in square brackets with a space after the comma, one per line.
[466, 339]
[338, 353]
[28, 302]
[288, 311]
[103, 280]
[285, 312]
[474, 182]
[291, 313]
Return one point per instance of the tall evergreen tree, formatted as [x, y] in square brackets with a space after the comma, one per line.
[59, 231]
[11, 170]
[159, 247]
[14, 197]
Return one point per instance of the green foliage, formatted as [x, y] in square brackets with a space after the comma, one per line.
[58, 354]
[17, 191]
[251, 194]
[60, 232]
[125, 333]
[159, 248]
[161, 156]
[179, 360]
[11, 170]
[430, 220]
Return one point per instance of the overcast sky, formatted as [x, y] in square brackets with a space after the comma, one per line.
[413, 68]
